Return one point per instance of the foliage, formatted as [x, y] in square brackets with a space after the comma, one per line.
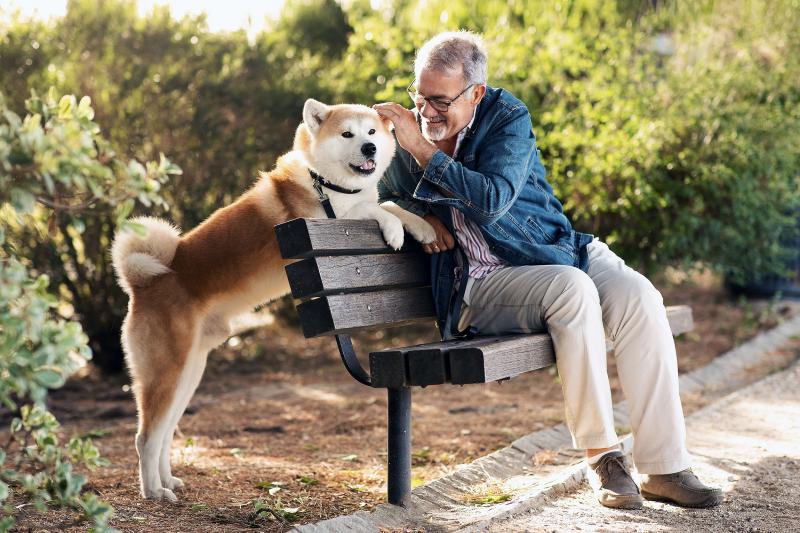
[54, 166]
[670, 132]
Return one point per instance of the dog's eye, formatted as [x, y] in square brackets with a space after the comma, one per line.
[347, 134]
[371, 132]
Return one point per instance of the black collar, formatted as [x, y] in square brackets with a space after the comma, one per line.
[319, 183]
[319, 180]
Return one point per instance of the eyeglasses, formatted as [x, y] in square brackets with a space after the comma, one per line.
[439, 104]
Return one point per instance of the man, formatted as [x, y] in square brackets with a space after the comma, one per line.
[467, 161]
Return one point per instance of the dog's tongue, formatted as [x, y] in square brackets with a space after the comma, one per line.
[369, 164]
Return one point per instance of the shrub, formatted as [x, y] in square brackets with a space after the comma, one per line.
[53, 164]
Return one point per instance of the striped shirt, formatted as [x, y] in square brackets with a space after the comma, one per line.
[482, 261]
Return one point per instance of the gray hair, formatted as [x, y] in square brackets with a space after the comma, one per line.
[451, 50]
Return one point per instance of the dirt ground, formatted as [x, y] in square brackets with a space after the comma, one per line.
[279, 434]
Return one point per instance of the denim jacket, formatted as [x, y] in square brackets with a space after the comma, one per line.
[498, 181]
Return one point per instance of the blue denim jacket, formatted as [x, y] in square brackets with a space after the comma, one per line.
[498, 181]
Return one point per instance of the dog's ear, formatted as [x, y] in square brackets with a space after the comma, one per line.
[388, 123]
[314, 114]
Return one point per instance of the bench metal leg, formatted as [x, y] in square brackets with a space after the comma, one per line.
[399, 476]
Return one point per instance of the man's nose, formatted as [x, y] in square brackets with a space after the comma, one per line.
[368, 149]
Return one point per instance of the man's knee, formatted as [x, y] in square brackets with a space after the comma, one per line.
[633, 303]
[639, 294]
[572, 286]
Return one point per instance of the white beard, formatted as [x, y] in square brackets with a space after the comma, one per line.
[434, 131]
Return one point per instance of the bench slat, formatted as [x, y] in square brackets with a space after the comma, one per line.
[680, 319]
[320, 276]
[311, 237]
[478, 360]
[344, 313]
[500, 359]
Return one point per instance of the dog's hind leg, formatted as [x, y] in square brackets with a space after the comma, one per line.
[159, 358]
[186, 386]
[154, 424]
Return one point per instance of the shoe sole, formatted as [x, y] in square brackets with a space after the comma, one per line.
[712, 501]
[634, 501]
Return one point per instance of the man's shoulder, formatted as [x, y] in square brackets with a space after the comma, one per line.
[502, 99]
[499, 108]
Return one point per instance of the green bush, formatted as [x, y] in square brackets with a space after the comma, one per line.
[53, 164]
[672, 133]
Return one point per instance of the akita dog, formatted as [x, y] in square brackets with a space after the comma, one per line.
[184, 290]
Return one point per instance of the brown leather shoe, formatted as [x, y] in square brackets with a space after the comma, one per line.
[681, 488]
[617, 488]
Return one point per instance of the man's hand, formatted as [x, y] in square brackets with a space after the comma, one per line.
[407, 131]
[444, 240]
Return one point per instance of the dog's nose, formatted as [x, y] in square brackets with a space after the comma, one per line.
[368, 149]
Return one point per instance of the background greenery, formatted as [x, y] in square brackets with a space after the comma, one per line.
[670, 132]
[669, 129]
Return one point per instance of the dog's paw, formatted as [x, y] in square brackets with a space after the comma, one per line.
[160, 493]
[173, 483]
[421, 230]
[393, 234]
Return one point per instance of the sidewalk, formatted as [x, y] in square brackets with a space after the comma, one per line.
[747, 443]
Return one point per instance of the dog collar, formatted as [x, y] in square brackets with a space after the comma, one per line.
[319, 183]
[319, 180]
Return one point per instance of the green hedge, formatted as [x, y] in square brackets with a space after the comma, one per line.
[672, 133]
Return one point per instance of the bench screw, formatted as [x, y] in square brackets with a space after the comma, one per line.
[369, 307]
[358, 270]
[347, 232]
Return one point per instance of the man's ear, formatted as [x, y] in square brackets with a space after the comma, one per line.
[478, 93]
[314, 114]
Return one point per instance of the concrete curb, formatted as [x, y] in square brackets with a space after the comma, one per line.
[440, 505]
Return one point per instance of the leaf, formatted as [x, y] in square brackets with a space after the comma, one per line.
[308, 480]
[22, 200]
[3, 491]
[351, 457]
[49, 378]
[290, 514]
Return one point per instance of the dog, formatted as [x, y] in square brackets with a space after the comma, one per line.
[185, 289]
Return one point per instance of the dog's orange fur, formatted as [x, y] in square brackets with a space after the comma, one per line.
[184, 290]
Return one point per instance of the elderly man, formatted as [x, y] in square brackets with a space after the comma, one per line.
[467, 161]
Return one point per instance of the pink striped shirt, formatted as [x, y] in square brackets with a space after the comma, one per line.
[482, 261]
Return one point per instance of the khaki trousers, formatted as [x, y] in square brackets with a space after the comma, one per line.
[579, 310]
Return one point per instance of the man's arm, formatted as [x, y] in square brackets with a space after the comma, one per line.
[394, 187]
[397, 185]
[484, 193]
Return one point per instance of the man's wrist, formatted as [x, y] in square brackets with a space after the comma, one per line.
[423, 152]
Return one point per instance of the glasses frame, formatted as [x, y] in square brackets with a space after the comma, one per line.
[435, 103]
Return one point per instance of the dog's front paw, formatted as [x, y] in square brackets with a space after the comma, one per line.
[173, 483]
[392, 230]
[421, 230]
[160, 493]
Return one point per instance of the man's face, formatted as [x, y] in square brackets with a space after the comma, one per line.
[434, 84]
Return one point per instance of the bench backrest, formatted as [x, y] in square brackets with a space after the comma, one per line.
[348, 278]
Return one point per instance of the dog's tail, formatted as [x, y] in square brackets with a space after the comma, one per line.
[138, 259]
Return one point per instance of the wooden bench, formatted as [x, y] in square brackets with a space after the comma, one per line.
[349, 280]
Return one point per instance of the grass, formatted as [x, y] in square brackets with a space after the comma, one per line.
[489, 495]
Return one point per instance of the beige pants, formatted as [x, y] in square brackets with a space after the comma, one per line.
[579, 311]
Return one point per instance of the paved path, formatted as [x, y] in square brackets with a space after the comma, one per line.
[748, 443]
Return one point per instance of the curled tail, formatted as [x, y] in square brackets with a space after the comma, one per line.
[137, 259]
